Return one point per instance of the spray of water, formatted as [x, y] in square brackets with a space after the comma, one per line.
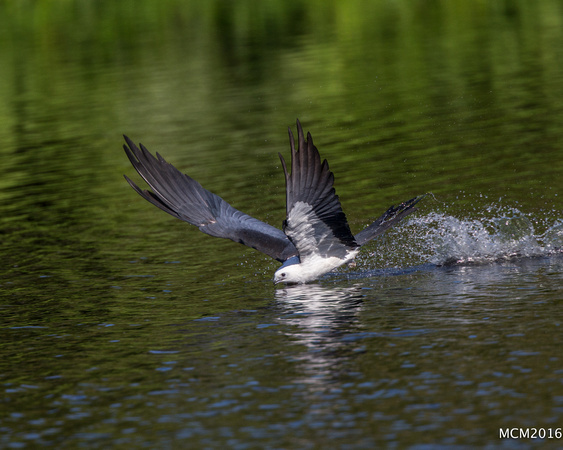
[495, 234]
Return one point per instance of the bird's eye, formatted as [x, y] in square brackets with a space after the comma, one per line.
[283, 274]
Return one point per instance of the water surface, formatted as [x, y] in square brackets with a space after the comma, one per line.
[123, 327]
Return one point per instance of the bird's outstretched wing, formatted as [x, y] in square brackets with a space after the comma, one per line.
[184, 198]
[315, 222]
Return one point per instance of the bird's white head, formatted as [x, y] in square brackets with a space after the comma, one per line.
[288, 274]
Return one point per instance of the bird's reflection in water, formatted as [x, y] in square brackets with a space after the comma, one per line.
[320, 316]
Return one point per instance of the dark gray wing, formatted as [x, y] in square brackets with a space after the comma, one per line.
[315, 221]
[390, 218]
[184, 198]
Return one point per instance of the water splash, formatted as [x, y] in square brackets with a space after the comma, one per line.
[493, 235]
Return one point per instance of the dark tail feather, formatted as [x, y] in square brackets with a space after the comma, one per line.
[390, 218]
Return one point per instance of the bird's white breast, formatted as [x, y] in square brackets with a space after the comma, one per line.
[316, 266]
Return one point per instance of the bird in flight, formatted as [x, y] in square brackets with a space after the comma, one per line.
[316, 237]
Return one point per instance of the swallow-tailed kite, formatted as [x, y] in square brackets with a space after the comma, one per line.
[316, 237]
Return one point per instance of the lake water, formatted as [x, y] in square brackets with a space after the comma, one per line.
[122, 327]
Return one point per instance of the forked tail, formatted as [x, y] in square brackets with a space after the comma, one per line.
[390, 218]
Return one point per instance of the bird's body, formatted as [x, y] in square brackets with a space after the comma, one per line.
[312, 269]
[316, 238]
